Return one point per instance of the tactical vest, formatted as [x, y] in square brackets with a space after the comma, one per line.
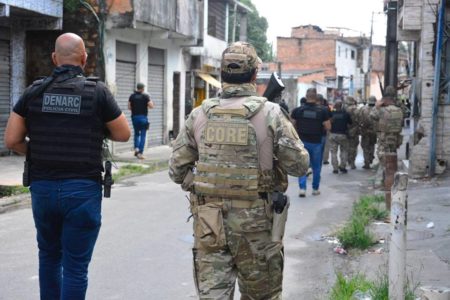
[367, 124]
[228, 164]
[391, 118]
[63, 124]
[310, 120]
[339, 121]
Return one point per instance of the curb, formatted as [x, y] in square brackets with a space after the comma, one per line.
[11, 203]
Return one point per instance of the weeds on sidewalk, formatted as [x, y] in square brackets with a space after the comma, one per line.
[355, 234]
[135, 169]
[358, 285]
[6, 191]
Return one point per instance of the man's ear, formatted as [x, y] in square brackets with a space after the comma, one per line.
[54, 59]
[84, 60]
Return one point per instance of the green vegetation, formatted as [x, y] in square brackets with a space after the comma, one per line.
[135, 169]
[345, 289]
[355, 234]
[256, 32]
[6, 191]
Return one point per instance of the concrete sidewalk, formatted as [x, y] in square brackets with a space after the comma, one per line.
[11, 167]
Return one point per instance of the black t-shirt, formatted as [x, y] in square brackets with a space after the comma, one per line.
[139, 103]
[340, 121]
[107, 110]
[324, 115]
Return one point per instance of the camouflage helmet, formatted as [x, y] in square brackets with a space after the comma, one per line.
[390, 91]
[372, 100]
[239, 58]
[350, 100]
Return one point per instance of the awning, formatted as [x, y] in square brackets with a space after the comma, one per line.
[211, 80]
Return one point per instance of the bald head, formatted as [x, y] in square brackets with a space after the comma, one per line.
[69, 50]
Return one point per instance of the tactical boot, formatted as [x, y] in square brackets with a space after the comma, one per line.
[343, 170]
[366, 166]
[335, 171]
[352, 166]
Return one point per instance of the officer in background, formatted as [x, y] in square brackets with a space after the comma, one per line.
[224, 155]
[139, 103]
[325, 135]
[310, 121]
[353, 132]
[340, 122]
[389, 121]
[368, 132]
[65, 123]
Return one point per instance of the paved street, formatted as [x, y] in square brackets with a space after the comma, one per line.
[143, 251]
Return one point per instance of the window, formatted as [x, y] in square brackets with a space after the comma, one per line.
[339, 51]
[346, 53]
[352, 54]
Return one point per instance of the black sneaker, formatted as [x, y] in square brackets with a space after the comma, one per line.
[326, 162]
[335, 171]
[343, 170]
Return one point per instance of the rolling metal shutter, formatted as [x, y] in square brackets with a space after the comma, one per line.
[155, 87]
[5, 102]
[126, 83]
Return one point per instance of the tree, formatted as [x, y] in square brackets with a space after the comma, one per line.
[256, 31]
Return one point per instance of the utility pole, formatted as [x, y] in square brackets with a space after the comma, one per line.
[369, 67]
[391, 60]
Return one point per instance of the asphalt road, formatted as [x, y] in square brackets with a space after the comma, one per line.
[144, 247]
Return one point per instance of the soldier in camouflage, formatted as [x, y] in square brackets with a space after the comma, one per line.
[227, 155]
[389, 120]
[353, 130]
[368, 132]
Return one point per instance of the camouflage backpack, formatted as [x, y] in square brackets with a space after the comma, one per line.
[228, 164]
[391, 118]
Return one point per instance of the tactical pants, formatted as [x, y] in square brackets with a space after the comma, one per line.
[368, 141]
[326, 147]
[353, 142]
[234, 242]
[338, 142]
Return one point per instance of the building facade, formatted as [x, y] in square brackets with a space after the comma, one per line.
[17, 18]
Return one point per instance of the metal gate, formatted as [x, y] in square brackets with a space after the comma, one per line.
[126, 83]
[5, 102]
[155, 86]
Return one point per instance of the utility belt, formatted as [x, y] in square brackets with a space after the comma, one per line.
[202, 200]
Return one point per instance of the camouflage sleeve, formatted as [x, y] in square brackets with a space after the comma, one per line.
[375, 114]
[288, 149]
[184, 152]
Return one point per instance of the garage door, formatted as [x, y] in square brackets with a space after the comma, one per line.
[125, 82]
[5, 102]
[156, 89]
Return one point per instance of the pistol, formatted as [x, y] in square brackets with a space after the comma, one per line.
[107, 181]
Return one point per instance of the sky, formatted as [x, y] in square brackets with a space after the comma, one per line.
[356, 15]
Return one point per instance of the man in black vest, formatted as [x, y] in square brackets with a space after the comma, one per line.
[311, 120]
[139, 103]
[65, 117]
[340, 122]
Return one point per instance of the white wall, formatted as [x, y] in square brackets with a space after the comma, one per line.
[144, 39]
[345, 65]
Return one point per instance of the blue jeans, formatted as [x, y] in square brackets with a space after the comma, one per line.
[140, 123]
[67, 216]
[315, 162]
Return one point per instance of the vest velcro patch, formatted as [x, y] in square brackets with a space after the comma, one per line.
[226, 133]
[309, 114]
[61, 103]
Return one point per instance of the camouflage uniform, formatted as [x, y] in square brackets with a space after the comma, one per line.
[389, 127]
[227, 155]
[368, 132]
[353, 130]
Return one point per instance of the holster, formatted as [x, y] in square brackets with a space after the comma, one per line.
[279, 223]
